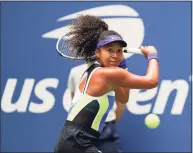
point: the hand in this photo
(148, 50)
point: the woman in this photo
(109, 140)
(103, 81)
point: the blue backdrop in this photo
(34, 77)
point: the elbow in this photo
(123, 100)
(153, 84)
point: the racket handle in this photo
(133, 50)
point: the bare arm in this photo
(118, 77)
(122, 94)
(122, 97)
(119, 110)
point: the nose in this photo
(115, 55)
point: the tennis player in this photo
(103, 81)
(109, 140)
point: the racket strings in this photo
(66, 49)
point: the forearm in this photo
(122, 94)
(120, 110)
(153, 71)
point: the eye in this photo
(120, 51)
(110, 49)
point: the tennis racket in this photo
(64, 48)
(133, 51)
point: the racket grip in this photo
(133, 50)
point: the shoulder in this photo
(104, 73)
(111, 74)
(108, 70)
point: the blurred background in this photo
(34, 94)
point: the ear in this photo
(97, 52)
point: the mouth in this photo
(116, 63)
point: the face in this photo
(111, 54)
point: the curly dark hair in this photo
(84, 35)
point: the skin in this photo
(112, 78)
(119, 110)
(113, 55)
